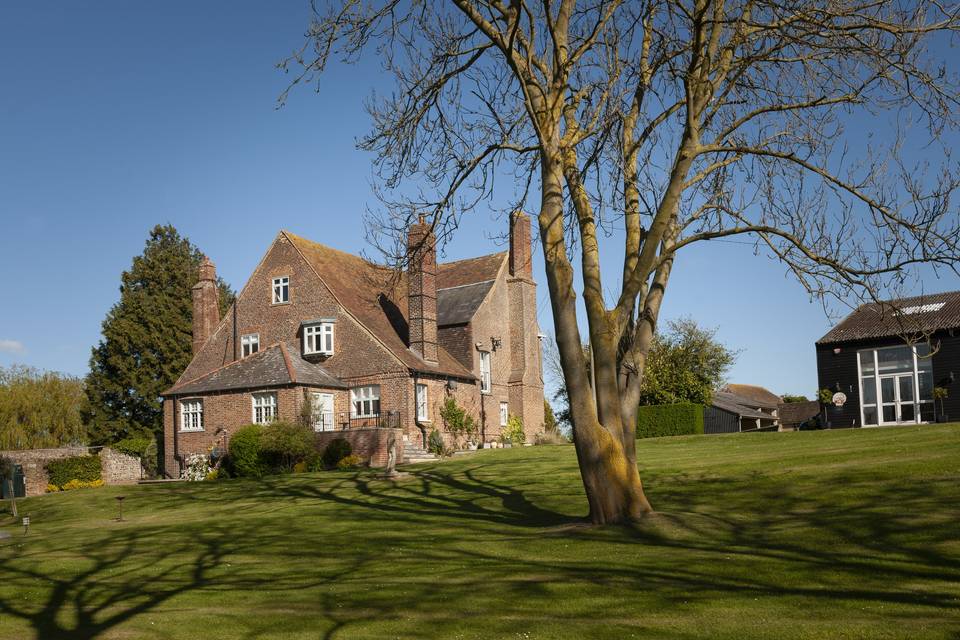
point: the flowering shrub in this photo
(52, 488)
(198, 467)
(82, 484)
(349, 462)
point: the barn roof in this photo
(894, 318)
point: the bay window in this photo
(318, 339)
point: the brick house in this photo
(371, 349)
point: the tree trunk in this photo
(610, 477)
(608, 470)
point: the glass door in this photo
(322, 411)
(905, 399)
(898, 397)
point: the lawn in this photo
(835, 534)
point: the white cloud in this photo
(11, 346)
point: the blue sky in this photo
(116, 116)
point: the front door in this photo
(322, 411)
(898, 397)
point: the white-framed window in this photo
(504, 414)
(191, 415)
(281, 290)
(423, 413)
(896, 385)
(264, 407)
(318, 338)
(365, 401)
(249, 344)
(484, 372)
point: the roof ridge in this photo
(469, 284)
(287, 363)
(486, 255)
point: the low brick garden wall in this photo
(371, 444)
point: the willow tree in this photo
(646, 127)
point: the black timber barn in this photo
(880, 358)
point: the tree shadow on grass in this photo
(374, 566)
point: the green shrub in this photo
(513, 432)
(349, 462)
(245, 454)
(81, 468)
(457, 421)
(669, 420)
(435, 443)
(284, 444)
(133, 446)
(337, 450)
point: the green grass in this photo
(837, 534)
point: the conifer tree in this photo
(146, 341)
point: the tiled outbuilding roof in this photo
(798, 412)
(377, 297)
(754, 395)
(277, 365)
(735, 404)
(893, 318)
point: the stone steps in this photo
(413, 454)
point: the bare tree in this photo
(661, 124)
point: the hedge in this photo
(133, 446)
(669, 420)
(82, 468)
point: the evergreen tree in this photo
(147, 339)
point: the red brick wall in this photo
(223, 414)
(372, 445)
(356, 352)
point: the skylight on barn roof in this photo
(922, 308)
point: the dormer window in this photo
(249, 344)
(281, 290)
(318, 338)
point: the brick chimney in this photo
(521, 263)
(206, 305)
(422, 294)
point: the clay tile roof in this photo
(798, 412)
(470, 271)
(754, 395)
(277, 365)
(894, 318)
(377, 298)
